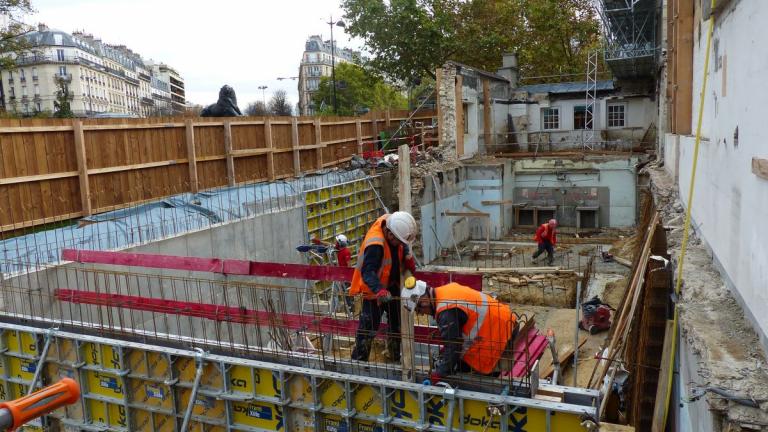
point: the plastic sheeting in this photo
(161, 219)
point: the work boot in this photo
(392, 352)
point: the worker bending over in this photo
(478, 330)
(383, 257)
(546, 237)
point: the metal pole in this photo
(41, 361)
(195, 387)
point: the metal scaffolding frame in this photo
(590, 100)
(631, 47)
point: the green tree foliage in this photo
(11, 44)
(357, 90)
(62, 105)
(410, 38)
(279, 105)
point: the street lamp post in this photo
(341, 24)
(263, 95)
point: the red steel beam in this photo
(238, 315)
(252, 268)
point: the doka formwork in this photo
(240, 394)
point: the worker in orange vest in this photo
(546, 237)
(478, 330)
(384, 256)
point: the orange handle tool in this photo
(17, 412)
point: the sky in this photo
(243, 43)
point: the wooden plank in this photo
(359, 133)
(760, 167)
(107, 170)
(250, 152)
(562, 358)
(295, 147)
(82, 168)
(36, 178)
(29, 129)
(31, 223)
(269, 145)
(466, 214)
(406, 318)
(683, 87)
(191, 159)
(663, 388)
(387, 119)
(488, 138)
(497, 202)
(228, 151)
(459, 116)
(318, 144)
(133, 126)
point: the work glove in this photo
(410, 264)
(433, 379)
(383, 296)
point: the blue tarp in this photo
(156, 220)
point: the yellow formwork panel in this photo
(153, 394)
(262, 415)
(11, 390)
(254, 381)
(149, 364)
(54, 372)
(186, 368)
(368, 401)
(145, 421)
(202, 427)
(102, 355)
(112, 415)
(20, 368)
(19, 342)
(104, 384)
(208, 407)
(63, 351)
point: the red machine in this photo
(595, 316)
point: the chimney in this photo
(42, 27)
(509, 69)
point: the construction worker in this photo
(477, 329)
(343, 255)
(546, 237)
(384, 256)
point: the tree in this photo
(256, 109)
(11, 42)
(410, 38)
(279, 104)
(357, 90)
(62, 105)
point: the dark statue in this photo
(226, 105)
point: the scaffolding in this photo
(590, 100)
(631, 47)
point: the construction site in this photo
(184, 271)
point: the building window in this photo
(34, 73)
(22, 76)
(37, 90)
(11, 92)
(24, 91)
(62, 70)
(581, 116)
(550, 118)
(617, 115)
(38, 106)
(465, 117)
(60, 54)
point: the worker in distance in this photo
(478, 330)
(384, 257)
(546, 238)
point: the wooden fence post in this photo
(487, 137)
(359, 132)
(375, 125)
(319, 143)
(191, 158)
(387, 119)
(82, 168)
(271, 154)
(228, 150)
(295, 145)
(406, 318)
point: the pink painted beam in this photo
(252, 268)
(238, 315)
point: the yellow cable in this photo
(687, 225)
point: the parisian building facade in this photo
(316, 63)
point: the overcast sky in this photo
(243, 43)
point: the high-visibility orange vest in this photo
(375, 236)
(488, 328)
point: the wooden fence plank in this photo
(295, 147)
(359, 133)
(271, 154)
(82, 168)
(228, 150)
(191, 159)
(319, 144)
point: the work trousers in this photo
(546, 246)
(370, 320)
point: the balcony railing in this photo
(10, 81)
(22, 79)
(34, 77)
(66, 77)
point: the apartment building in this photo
(175, 82)
(316, 62)
(101, 78)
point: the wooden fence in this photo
(58, 169)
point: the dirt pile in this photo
(555, 290)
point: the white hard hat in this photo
(342, 239)
(410, 296)
(403, 226)
(553, 222)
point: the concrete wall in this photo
(266, 237)
(438, 231)
(566, 184)
(730, 204)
